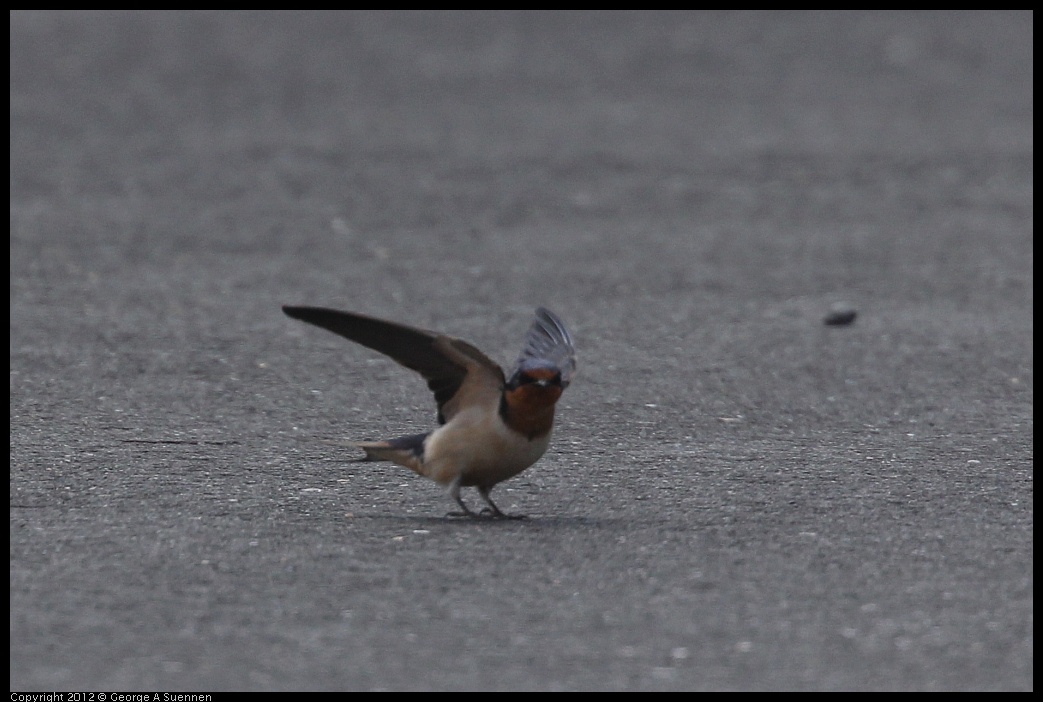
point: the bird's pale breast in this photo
(478, 446)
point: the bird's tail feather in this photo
(406, 451)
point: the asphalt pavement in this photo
(795, 252)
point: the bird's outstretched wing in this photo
(455, 371)
(548, 343)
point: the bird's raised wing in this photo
(548, 343)
(455, 371)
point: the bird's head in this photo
(539, 377)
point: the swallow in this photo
(492, 426)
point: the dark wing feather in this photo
(549, 342)
(444, 362)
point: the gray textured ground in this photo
(738, 497)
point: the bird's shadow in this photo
(529, 521)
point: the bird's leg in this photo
(454, 491)
(492, 508)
